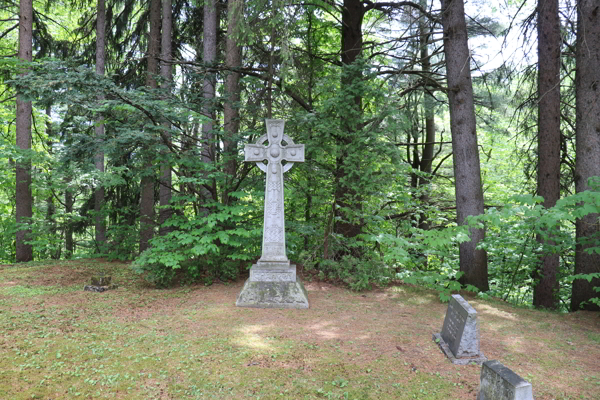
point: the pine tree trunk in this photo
(233, 61)
(209, 88)
(24, 200)
(166, 73)
(50, 206)
(428, 106)
(147, 182)
(69, 245)
(99, 159)
(469, 194)
(545, 292)
(69, 201)
(587, 87)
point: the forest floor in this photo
(190, 342)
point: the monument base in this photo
(273, 286)
(478, 359)
(273, 272)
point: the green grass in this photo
(136, 342)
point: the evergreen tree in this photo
(24, 199)
(467, 175)
(587, 165)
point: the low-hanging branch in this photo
(386, 6)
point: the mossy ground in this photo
(191, 342)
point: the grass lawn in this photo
(191, 342)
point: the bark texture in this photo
(428, 106)
(233, 61)
(469, 194)
(69, 243)
(99, 159)
(209, 88)
(587, 86)
(147, 182)
(164, 191)
(545, 293)
(24, 200)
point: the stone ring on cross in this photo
(275, 151)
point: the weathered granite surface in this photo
(501, 383)
(459, 338)
(99, 288)
(277, 272)
(273, 282)
(101, 280)
(273, 295)
(100, 284)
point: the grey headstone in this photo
(97, 287)
(500, 383)
(273, 282)
(459, 338)
(101, 280)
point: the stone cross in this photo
(280, 148)
(273, 282)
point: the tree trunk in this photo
(24, 200)
(69, 244)
(99, 159)
(587, 87)
(166, 73)
(428, 101)
(154, 39)
(147, 182)
(50, 206)
(545, 292)
(233, 61)
(211, 23)
(347, 199)
(428, 107)
(69, 201)
(469, 194)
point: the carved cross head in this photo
(280, 147)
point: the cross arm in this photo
(294, 153)
(255, 152)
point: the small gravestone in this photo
(273, 282)
(459, 338)
(100, 284)
(101, 280)
(500, 383)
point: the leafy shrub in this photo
(200, 247)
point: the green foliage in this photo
(430, 259)
(514, 253)
(211, 246)
(357, 273)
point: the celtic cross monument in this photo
(273, 282)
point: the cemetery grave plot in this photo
(137, 342)
(459, 338)
(499, 382)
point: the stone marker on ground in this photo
(273, 282)
(459, 338)
(100, 284)
(500, 383)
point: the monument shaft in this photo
(273, 282)
(280, 148)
